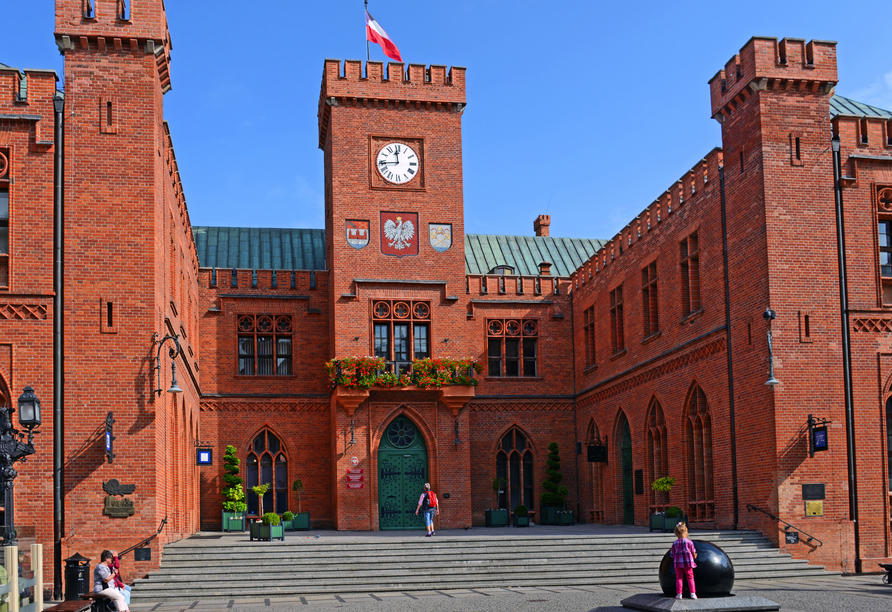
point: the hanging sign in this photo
(109, 437)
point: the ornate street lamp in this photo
(12, 449)
(172, 352)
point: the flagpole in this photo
(367, 56)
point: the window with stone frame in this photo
(4, 219)
(690, 275)
(401, 331)
(514, 463)
(266, 463)
(588, 332)
(884, 240)
(650, 304)
(617, 337)
(512, 347)
(264, 345)
(698, 456)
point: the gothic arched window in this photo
(657, 455)
(266, 464)
(514, 463)
(597, 475)
(698, 447)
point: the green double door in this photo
(402, 472)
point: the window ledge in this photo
(618, 354)
(590, 368)
(264, 376)
(652, 337)
(693, 316)
(513, 378)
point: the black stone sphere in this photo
(713, 576)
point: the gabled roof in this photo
(483, 252)
(846, 106)
(260, 248)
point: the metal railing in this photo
(810, 537)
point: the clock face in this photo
(397, 163)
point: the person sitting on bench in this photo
(104, 581)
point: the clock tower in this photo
(394, 223)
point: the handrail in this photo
(753, 508)
(147, 540)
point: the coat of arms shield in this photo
(441, 236)
(399, 233)
(357, 233)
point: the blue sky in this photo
(584, 110)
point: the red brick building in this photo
(652, 343)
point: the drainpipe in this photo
(58, 395)
(846, 349)
(733, 431)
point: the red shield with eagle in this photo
(399, 233)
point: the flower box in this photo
(268, 533)
(301, 521)
(565, 517)
(521, 521)
(660, 522)
(496, 518)
(233, 521)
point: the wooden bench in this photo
(97, 602)
(71, 606)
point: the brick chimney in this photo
(545, 267)
(541, 225)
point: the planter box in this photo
(660, 522)
(521, 521)
(565, 518)
(287, 525)
(259, 531)
(233, 521)
(549, 515)
(302, 521)
(496, 518)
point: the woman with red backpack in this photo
(428, 505)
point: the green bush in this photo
(521, 511)
(233, 492)
(674, 512)
(270, 518)
(663, 484)
(555, 493)
(288, 516)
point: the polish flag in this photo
(375, 33)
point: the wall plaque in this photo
(813, 491)
(119, 508)
(792, 537)
(814, 508)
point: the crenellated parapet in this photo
(686, 191)
(432, 88)
(27, 96)
(765, 63)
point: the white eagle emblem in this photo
(400, 234)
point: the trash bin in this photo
(77, 577)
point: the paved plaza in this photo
(831, 593)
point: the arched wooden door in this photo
(402, 472)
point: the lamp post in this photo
(770, 316)
(172, 352)
(12, 449)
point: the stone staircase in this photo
(203, 567)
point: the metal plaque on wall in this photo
(813, 491)
(792, 537)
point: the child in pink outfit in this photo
(683, 554)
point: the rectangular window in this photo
(402, 332)
(512, 349)
(264, 345)
(884, 231)
(588, 330)
(649, 300)
(4, 238)
(617, 338)
(690, 275)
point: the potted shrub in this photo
(497, 517)
(301, 519)
(521, 516)
(234, 506)
(259, 491)
(269, 528)
(662, 520)
(555, 497)
(288, 521)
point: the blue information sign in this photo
(820, 439)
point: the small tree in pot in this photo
(555, 496)
(234, 505)
(665, 521)
(497, 517)
(301, 519)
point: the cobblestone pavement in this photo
(861, 593)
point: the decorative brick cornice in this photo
(263, 405)
(23, 312)
(521, 406)
(872, 325)
(689, 358)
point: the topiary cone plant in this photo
(260, 491)
(555, 493)
(498, 486)
(233, 493)
(297, 487)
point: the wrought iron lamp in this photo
(770, 315)
(12, 449)
(173, 352)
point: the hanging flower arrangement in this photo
(368, 372)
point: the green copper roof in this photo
(845, 106)
(260, 248)
(483, 252)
